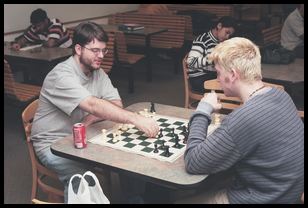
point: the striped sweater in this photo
(197, 57)
(263, 141)
(56, 30)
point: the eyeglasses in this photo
(97, 51)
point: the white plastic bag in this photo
(89, 190)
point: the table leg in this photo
(148, 57)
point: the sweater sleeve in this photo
(209, 154)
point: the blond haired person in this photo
(262, 141)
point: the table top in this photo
(292, 73)
(143, 32)
(153, 170)
(45, 54)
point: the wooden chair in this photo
(39, 172)
(229, 103)
(271, 35)
(125, 59)
(191, 98)
(18, 91)
(37, 201)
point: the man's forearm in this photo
(90, 119)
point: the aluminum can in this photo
(79, 133)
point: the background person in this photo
(200, 69)
(49, 32)
(292, 33)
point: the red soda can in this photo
(79, 132)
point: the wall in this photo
(17, 16)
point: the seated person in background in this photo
(75, 91)
(292, 33)
(154, 9)
(49, 32)
(262, 141)
(200, 69)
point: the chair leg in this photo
(130, 79)
(176, 58)
(55, 198)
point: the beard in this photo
(88, 63)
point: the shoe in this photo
(137, 199)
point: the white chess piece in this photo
(217, 119)
(124, 127)
(114, 139)
(103, 133)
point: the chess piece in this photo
(152, 108)
(114, 137)
(103, 133)
(166, 153)
(172, 132)
(162, 147)
(155, 148)
(185, 138)
(217, 119)
(176, 140)
(160, 133)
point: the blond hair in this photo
(239, 54)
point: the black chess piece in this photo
(152, 108)
(155, 148)
(162, 147)
(172, 132)
(176, 140)
(166, 153)
(160, 133)
(185, 138)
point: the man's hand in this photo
(212, 99)
(15, 46)
(147, 125)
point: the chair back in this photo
(38, 170)
(121, 47)
(191, 97)
(228, 103)
(9, 82)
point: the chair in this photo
(125, 59)
(37, 201)
(39, 172)
(229, 103)
(191, 98)
(18, 91)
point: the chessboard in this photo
(168, 146)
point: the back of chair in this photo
(190, 96)
(121, 46)
(38, 170)
(228, 103)
(9, 82)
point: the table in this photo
(291, 76)
(41, 61)
(147, 33)
(284, 73)
(162, 173)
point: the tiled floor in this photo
(166, 88)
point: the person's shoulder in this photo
(56, 21)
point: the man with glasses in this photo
(49, 32)
(78, 90)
